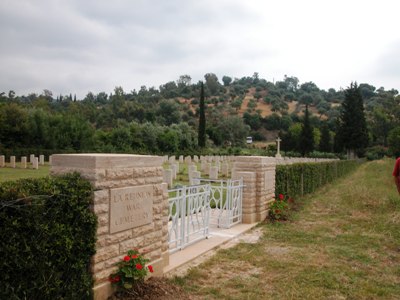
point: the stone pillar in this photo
(258, 174)
(35, 163)
(121, 181)
(2, 161)
(12, 161)
(214, 173)
(41, 160)
(23, 162)
(167, 177)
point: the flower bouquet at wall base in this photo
(132, 270)
(279, 209)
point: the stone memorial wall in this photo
(131, 203)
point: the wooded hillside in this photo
(165, 119)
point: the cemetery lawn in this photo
(7, 174)
(343, 242)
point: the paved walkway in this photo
(179, 261)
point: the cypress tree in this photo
(353, 126)
(307, 138)
(325, 144)
(202, 120)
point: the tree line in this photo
(166, 120)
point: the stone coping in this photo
(104, 160)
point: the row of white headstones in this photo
(213, 166)
(34, 161)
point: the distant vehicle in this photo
(249, 140)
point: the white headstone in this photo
(203, 165)
(31, 158)
(174, 170)
(192, 168)
(167, 177)
(171, 159)
(194, 179)
(225, 169)
(214, 173)
(188, 160)
(41, 160)
(181, 158)
(50, 159)
(207, 167)
(23, 162)
(195, 158)
(12, 161)
(35, 164)
(2, 161)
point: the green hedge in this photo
(303, 178)
(47, 238)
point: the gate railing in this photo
(225, 202)
(189, 215)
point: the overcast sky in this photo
(77, 46)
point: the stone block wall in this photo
(131, 203)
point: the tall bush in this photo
(47, 238)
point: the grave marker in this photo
(12, 161)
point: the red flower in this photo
(127, 258)
(281, 196)
(134, 256)
(139, 266)
(115, 279)
(277, 211)
(150, 269)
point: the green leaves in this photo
(47, 238)
(131, 270)
(299, 179)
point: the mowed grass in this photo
(343, 243)
(7, 174)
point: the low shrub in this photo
(376, 152)
(47, 238)
(303, 178)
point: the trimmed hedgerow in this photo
(303, 178)
(47, 238)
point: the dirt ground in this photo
(156, 288)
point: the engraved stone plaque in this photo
(130, 207)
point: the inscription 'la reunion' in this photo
(130, 207)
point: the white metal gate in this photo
(225, 202)
(189, 215)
